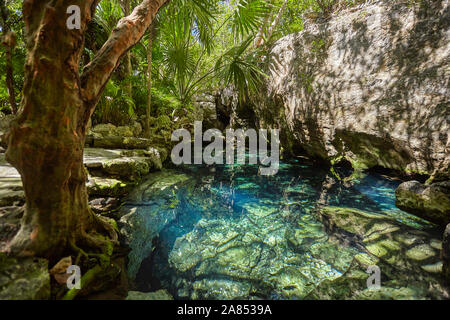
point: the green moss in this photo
(109, 187)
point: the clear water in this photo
(234, 234)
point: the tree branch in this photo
(125, 35)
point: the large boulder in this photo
(127, 165)
(431, 202)
(369, 85)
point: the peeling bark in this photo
(46, 141)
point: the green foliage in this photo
(247, 17)
(115, 106)
(15, 24)
(197, 46)
(240, 70)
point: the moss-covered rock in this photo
(24, 278)
(119, 142)
(11, 192)
(129, 168)
(431, 202)
(97, 186)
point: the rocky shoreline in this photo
(115, 165)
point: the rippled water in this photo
(232, 233)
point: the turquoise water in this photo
(234, 234)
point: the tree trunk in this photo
(259, 39)
(8, 41)
(276, 20)
(46, 142)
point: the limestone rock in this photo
(98, 186)
(130, 168)
(128, 165)
(104, 130)
(147, 210)
(369, 85)
(252, 255)
(430, 202)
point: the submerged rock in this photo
(253, 257)
(24, 278)
(430, 202)
(147, 210)
(446, 252)
(409, 259)
(157, 295)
